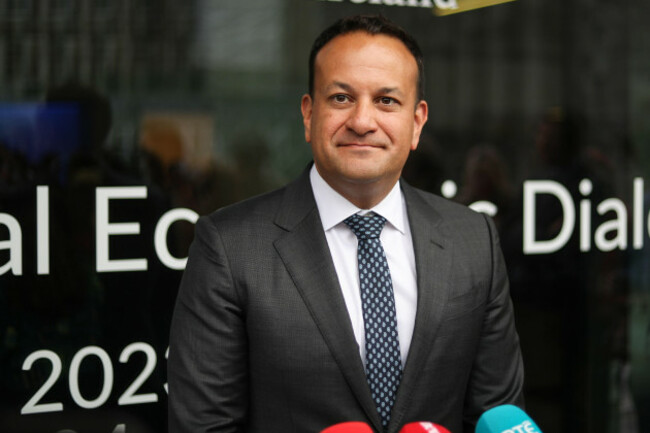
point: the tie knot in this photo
(367, 226)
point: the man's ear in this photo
(306, 106)
(419, 119)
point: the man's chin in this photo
(362, 173)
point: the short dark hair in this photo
(374, 25)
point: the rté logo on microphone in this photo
(524, 427)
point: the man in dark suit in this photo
(291, 317)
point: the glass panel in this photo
(114, 114)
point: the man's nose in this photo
(362, 118)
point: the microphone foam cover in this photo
(349, 427)
(423, 427)
(506, 419)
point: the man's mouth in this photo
(361, 145)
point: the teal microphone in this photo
(506, 419)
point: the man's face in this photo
(363, 118)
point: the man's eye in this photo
(385, 100)
(340, 98)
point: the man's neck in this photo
(364, 196)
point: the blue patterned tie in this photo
(383, 363)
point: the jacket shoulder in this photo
(447, 209)
(264, 205)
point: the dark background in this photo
(199, 102)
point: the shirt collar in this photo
(334, 208)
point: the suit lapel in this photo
(304, 251)
(433, 261)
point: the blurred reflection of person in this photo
(279, 326)
(252, 174)
(485, 178)
(575, 294)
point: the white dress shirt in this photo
(398, 245)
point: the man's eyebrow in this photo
(341, 85)
(348, 88)
(389, 90)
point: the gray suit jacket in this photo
(261, 340)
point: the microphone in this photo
(423, 427)
(349, 427)
(506, 419)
